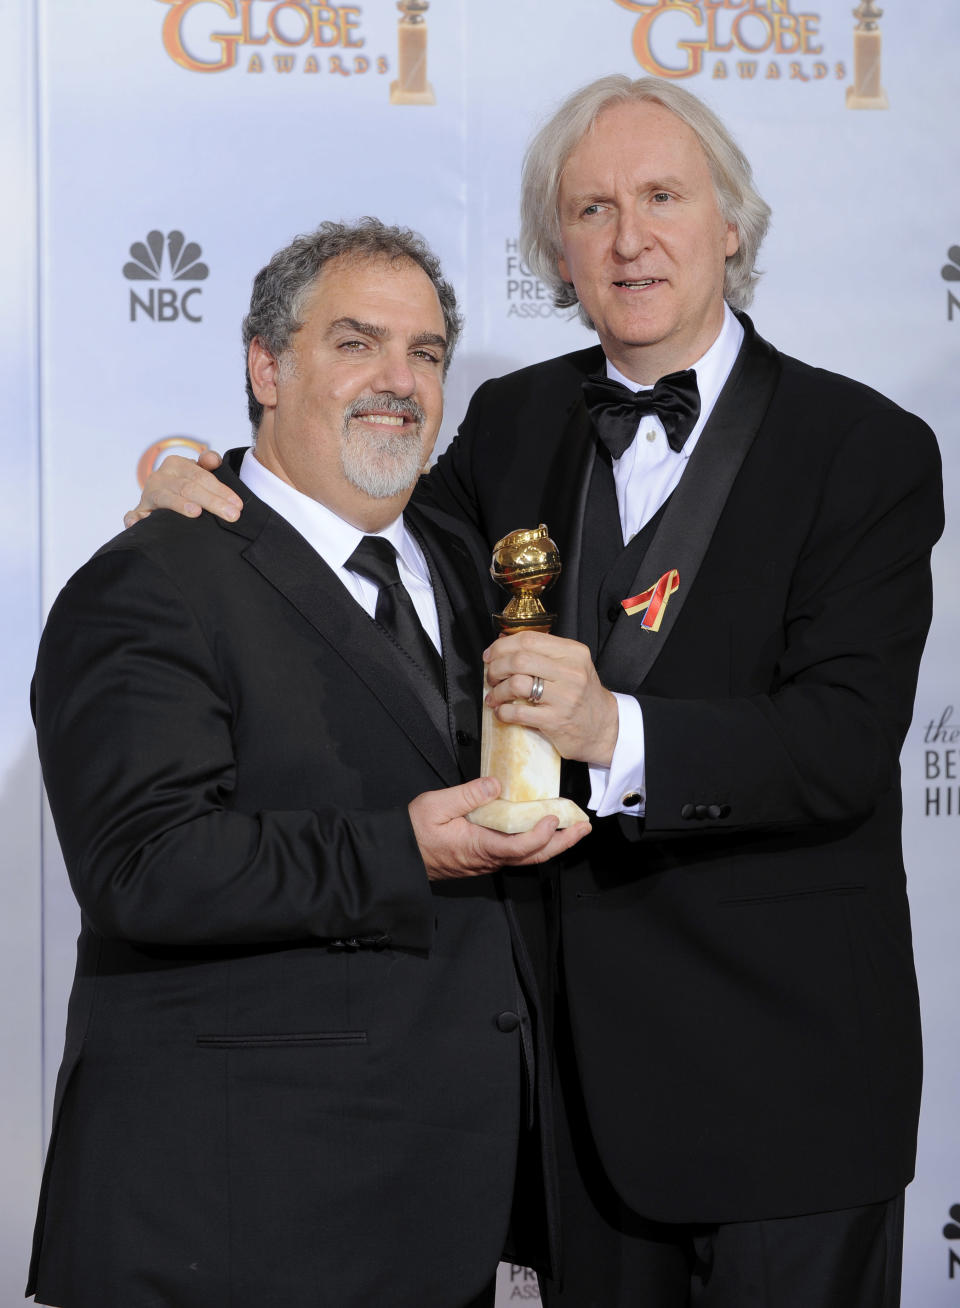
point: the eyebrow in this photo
(430, 338)
(650, 184)
(379, 333)
(353, 325)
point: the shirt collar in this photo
(331, 536)
(712, 369)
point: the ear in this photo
(264, 370)
(733, 240)
(563, 270)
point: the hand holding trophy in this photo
(525, 562)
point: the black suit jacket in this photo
(738, 962)
(293, 1065)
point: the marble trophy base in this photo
(855, 101)
(528, 769)
(399, 96)
(866, 91)
(511, 817)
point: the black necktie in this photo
(376, 559)
(616, 410)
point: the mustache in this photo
(388, 403)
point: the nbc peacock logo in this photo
(952, 1232)
(950, 272)
(162, 258)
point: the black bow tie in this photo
(616, 410)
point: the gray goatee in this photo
(382, 463)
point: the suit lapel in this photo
(284, 559)
(563, 509)
(694, 509)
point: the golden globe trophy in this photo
(866, 92)
(411, 86)
(524, 762)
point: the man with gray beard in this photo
(300, 1044)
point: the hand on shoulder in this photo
(186, 487)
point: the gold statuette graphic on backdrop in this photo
(526, 563)
(411, 86)
(867, 91)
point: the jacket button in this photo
(464, 737)
(700, 811)
(724, 810)
(613, 612)
(507, 1021)
(687, 811)
(714, 811)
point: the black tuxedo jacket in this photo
(293, 1065)
(738, 962)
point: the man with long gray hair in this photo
(299, 1053)
(744, 604)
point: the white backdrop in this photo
(238, 123)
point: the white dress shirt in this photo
(335, 540)
(644, 476)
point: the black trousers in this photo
(614, 1258)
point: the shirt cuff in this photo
(621, 788)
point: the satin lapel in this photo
(281, 555)
(694, 509)
(562, 508)
(464, 600)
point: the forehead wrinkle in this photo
(602, 190)
(612, 108)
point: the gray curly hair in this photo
(550, 149)
(281, 288)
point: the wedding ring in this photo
(536, 691)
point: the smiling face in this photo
(353, 406)
(643, 240)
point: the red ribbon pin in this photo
(653, 600)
